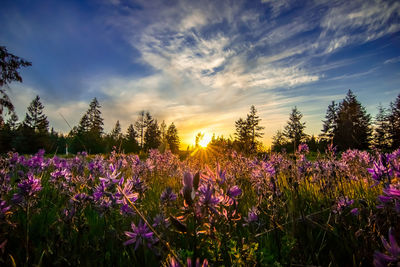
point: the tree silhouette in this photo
(35, 118)
(152, 136)
(294, 129)
(381, 135)
(329, 124)
(173, 138)
(394, 122)
(248, 131)
(9, 65)
(353, 128)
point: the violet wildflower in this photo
(168, 195)
(234, 191)
(393, 249)
(27, 188)
(4, 209)
(303, 148)
(342, 203)
(252, 216)
(188, 192)
(354, 211)
(197, 263)
(207, 197)
(139, 235)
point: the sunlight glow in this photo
(205, 140)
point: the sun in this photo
(203, 139)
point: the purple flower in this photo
(234, 191)
(139, 235)
(4, 208)
(393, 249)
(342, 203)
(168, 195)
(303, 148)
(252, 216)
(207, 197)
(27, 188)
(354, 211)
(188, 192)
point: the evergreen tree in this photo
(152, 136)
(35, 118)
(394, 122)
(294, 129)
(353, 128)
(9, 65)
(329, 126)
(130, 143)
(248, 131)
(116, 131)
(278, 141)
(143, 121)
(12, 122)
(381, 130)
(84, 125)
(253, 121)
(173, 138)
(95, 119)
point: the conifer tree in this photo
(116, 131)
(94, 118)
(35, 118)
(381, 130)
(248, 131)
(394, 122)
(152, 136)
(9, 65)
(173, 138)
(143, 121)
(294, 129)
(353, 126)
(329, 126)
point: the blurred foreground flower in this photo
(393, 249)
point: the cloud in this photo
(392, 60)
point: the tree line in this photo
(346, 125)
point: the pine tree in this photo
(278, 141)
(130, 143)
(152, 136)
(143, 121)
(294, 129)
(381, 130)
(9, 65)
(329, 126)
(394, 122)
(94, 118)
(248, 131)
(116, 131)
(173, 138)
(12, 122)
(35, 118)
(353, 128)
(84, 125)
(255, 129)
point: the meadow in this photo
(221, 209)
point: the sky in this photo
(202, 64)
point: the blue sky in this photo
(202, 64)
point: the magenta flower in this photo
(27, 188)
(168, 195)
(234, 191)
(393, 249)
(303, 148)
(139, 235)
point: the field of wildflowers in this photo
(229, 210)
